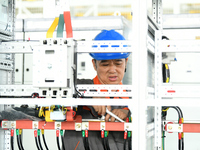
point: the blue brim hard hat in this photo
(109, 35)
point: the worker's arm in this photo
(121, 113)
(101, 110)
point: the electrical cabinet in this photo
(145, 84)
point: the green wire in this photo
(61, 132)
(17, 131)
(83, 133)
(38, 132)
(163, 141)
(105, 133)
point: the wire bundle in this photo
(180, 121)
(19, 139)
(36, 141)
(104, 139)
(85, 139)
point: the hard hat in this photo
(109, 35)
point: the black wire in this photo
(58, 144)
(182, 141)
(84, 143)
(40, 145)
(106, 143)
(20, 141)
(87, 143)
(63, 143)
(181, 113)
(77, 92)
(45, 142)
(129, 143)
(124, 144)
(179, 144)
(11, 141)
(103, 143)
(36, 142)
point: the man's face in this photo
(110, 71)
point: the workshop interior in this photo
(45, 48)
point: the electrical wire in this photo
(44, 141)
(180, 120)
(106, 140)
(57, 139)
(11, 139)
(77, 92)
(103, 143)
(102, 139)
(43, 137)
(58, 144)
(20, 139)
(36, 142)
(124, 144)
(18, 143)
(39, 141)
(62, 138)
(86, 140)
(129, 143)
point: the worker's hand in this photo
(121, 113)
(101, 109)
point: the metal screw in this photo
(5, 124)
(86, 125)
(169, 127)
(127, 127)
(103, 126)
(78, 125)
(58, 125)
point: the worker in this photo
(110, 69)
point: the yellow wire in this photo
(182, 132)
(165, 109)
(40, 112)
(52, 28)
(167, 80)
(166, 66)
(52, 108)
